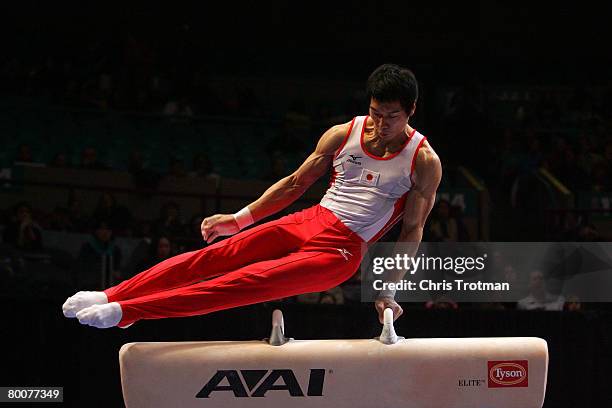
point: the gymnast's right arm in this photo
(282, 193)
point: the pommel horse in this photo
(387, 371)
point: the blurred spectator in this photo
(331, 296)
(99, 260)
(510, 275)
(576, 227)
(178, 107)
(143, 102)
(119, 217)
(202, 167)
(572, 304)
(98, 92)
(170, 223)
(194, 239)
(588, 233)
(539, 298)
(351, 289)
(294, 130)
(334, 296)
(278, 168)
(510, 156)
(534, 156)
(456, 213)
(600, 178)
(145, 229)
(60, 160)
(142, 250)
(24, 154)
(570, 227)
(466, 110)
(135, 162)
(562, 163)
(89, 160)
(177, 168)
(143, 178)
(60, 220)
(22, 231)
(250, 105)
(442, 227)
(580, 108)
(442, 303)
(587, 156)
(160, 249)
(499, 268)
(78, 220)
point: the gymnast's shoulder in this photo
(427, 165)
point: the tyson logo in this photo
(512, 373)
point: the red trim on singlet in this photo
(345, 138)
(398, 211)
(377, 157)
(332, 178)
(416, 152)
(398, 214)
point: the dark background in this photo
(540, 43)
(54, 54)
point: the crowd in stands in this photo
(510, 134)
(107, 81)
(500, 133)
(565, 129)
(101, 261)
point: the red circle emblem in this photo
(369, 177)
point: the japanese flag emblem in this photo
(369, 177)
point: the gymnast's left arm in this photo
(419, 202)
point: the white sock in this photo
(101, 316)
(81, 300)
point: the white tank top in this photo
(366, 192)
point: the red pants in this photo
(308, 251)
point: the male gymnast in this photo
(383, 172)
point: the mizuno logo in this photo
(256, 383)
(344, 253)
(353, 159)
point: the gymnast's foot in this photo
(101, 316)
(81, 300)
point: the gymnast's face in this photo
(389, 118)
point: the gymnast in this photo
(383, 172)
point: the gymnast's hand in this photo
(218, 225)
(384, 302)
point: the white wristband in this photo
(244, 218)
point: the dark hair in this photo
(100, 222)
(155, 243)
(390, 82)
(20, 205)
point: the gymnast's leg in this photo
(296, 273)
(271, 240)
